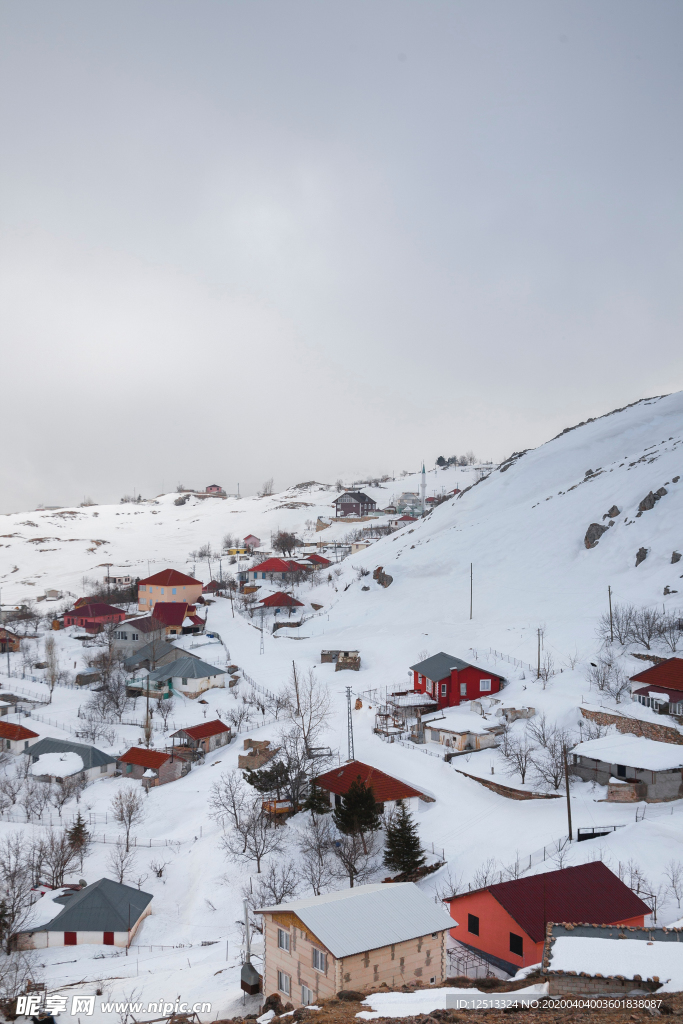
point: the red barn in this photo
(506, 923)
(91, 617)
(450, 680)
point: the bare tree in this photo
(279, 883)
(619, 625)
(254, 836)
(17, 969)
(671, 632)
(357, 855)
(519, 756)
(308, 702)
(56, 856)
(486, 874)
(52, 663)
(646, 627)
(266, 488)
(673, 872)
(159, 866)
(316, 841)
(65, 789)
(127, 809)
(285, 542)
(165, 709)
(449, 885)
(238, 715)
(548, 761)
(16, 879)
(120, 861)
(227, 798)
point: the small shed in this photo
(342, 659)
(206, 736)
(8, 641)
(188, 676)
(166, 766)
(632, 767)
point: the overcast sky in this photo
(311, 239)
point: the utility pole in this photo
(566, 783)
(538, 670)
(261, 645)
(470, 590)
(611, 624)
(352, 756)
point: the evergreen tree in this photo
(270, 780)
(402, 852)
(317, 802)
(358, 813)
(79, 837)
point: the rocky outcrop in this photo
(612, 514)
(650, 500)
(593, 534)
(382, 577)
(675, 557)
(641, 555)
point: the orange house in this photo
(167, 586)
(506, 923)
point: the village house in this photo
(15, 738)
(188, 676)
(354, 503)
(387, 791)
(666, 675)
(450, 680)
(178, 618)
(205, 737)
(92, 617)
(319, 561)
(460, 731)
(251, 541)
(593, 960)
(505, 923)
(359, 545)
(95, 763)
(214, 489)
(153, 767)
(119, 578)
(153, 655)
(104, 913)
(356, 939)
(136, 633)
(279, 602)
(168, 586)
(632, 767)
(276, 569)
(8, 641)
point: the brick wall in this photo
(651, 730)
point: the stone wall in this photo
(508, 791)
(651, 730)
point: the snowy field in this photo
(522, 531)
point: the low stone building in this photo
(260, 753)
(633, 768)
(356, 939)
(205, 737)
(154, 767)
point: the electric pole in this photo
(611, 624)
(566, 783)
(538, 670)
(351, 756)
(470, 590)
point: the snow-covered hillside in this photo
(522, 529)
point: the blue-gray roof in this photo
(91, 756)
(104, 906)
(153, 651)
(439, 666)
(186, 667)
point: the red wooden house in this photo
(506, 923)
(450, 680)
(91, 617)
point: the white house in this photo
(104, 913)
(188, 676)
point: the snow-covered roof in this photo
(58, 765)
(186, 667)
(633, 751)
(460, 720)
(367, 916)
(614, 957)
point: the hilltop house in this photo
(632, 767)
(356, 939)
(505, 923)
(278, 602)
(450, 680)
(251, 541)
(188, 676)
(155, 767)
(354, 503)
(14, 739)
(104, 913)
(214, 489)
(387, 791)
(95, 763)
(206, 737)
(276, 569)
(92, 617)
(168, 586)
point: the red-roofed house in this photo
(386, 789)
(15, 738)
(666, 675)
(215, 489)
(171, 615)
(252, 541)
(505, 923)
(206, 736)
(163, 767)
(319, 562)
(451, 680)
(168, 586)
(91, 617)
(276, 569)
(276, 602)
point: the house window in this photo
(173, 591)
(103, 768)
(463, 689)
(473, 924)
(319, 960)
(621, 770)
(429, 686)
(162, 590)
(307, 996)
(283, 939)
(516, 944)
(184, 682)
(135, 636)
(434, 735)
(484, 685)
(25, 744)
(283, 982)
(143, 588)
(444, 689)
(8, 745)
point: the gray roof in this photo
(100, 907)
(358, 496)
(91, 756)
(186, 667)
(368, 916)
(153, 651)
(439, 666)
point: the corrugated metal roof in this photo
(186, 667)
(367, 916)
(170, 577)
(12, 731)
(384, 787)
(144, 758)
(667, 673)
(104, 906)
(439, 666)
(91, 756)
(199, 732)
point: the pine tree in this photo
(79, 837)
(358, 813)
(317, 802)
(402, 851)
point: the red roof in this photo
(275, 565)
(667, 673)
(674, 696)
(383, 786)
(408, 519)
(211, 587)
(170, 578)
(200, 732)
(144, 758)
(171, 613)
(10, 731)
(319, 560)
(281, 600)
(585, 894)
(251, 536)
(196, 620)
(94, 611)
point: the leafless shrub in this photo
(315, 844)
(548, 761)
(357, 855)
(120, 861)
(165, 709)
(266, 488)
(486, 874)
(16, 879)
(547, 669)
(159, 866)
(127, 809)
(449, 885)
(278, 884)
(253, 836)
(227, 797)
(56, 856)
(518, 755)
(673, 873)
